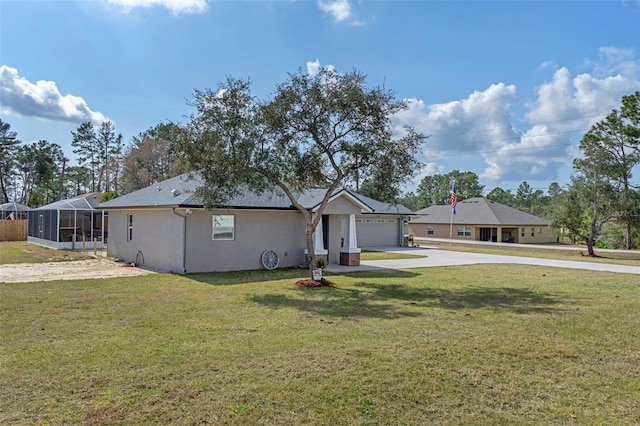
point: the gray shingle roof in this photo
(477, 211)
(180, 192)
(82, 202)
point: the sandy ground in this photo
(79, 269)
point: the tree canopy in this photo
(436, 189)
(8, 144)
(317, 131)
(611, 151)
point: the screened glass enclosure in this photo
(14, 211)
(68, 224)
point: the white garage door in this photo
(377, 232)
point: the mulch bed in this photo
(308, 282)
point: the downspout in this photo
(184, 240)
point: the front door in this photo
(486, 234)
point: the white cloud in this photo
(176, 6)
(547, 64)
(613, 61)
(340, 10)
(42, 100)
(564, 109)
(481, 125)
(481, 121)
(313, 67)
(427, 169)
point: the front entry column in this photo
(350, 252)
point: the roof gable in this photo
(344, 202)
(88, 201)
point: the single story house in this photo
(65, 224)
(165, 227)
(481, 220)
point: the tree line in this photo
(40, 173)
(233, 140)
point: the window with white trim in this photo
(223, 227)
(392, 220)
(464, 231)
(381, 221)
(522, 232)
(129, 227)
(430, 230)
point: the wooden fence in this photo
(13, 230)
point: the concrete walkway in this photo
(439, 257)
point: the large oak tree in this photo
(318, 130)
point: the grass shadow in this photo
(293, 274)
(245, 277)
(518, 300)
(368, 299)
(335, 302)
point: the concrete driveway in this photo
(439, 257)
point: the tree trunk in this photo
(628, 241)
(4, 190)
(311, 255)
(61, 189)
(590, 251)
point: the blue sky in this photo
(504, 89)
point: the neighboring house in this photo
(481, 220)
(165, 227)
(13, 222)
(66, 224)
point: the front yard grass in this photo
(620, 257)
(481, 344)
(23, 252)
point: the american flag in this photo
(11, 216)
(454, 200)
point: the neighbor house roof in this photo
(179, 192)
(82, 202)
(477, 211)
(14, 207)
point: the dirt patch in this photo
(75, 270)
(315, 283)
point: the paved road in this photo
(439, 257)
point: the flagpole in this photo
(453, 190)
(451, 228)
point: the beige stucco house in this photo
(480, 219)
(165, 227)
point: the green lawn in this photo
(483, 344)
(620, 257)
(23, 252)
